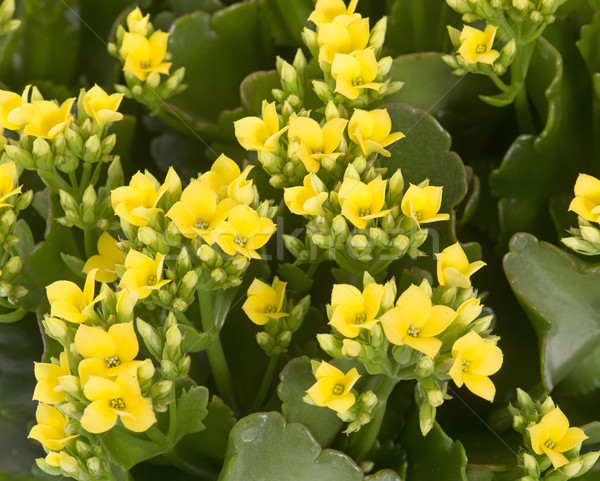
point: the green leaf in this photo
(592, 430)
(322, 422)
(262, 446)
(297, 279)
(127, 449)
(194, 340)
(257, 87)
(285, 19)
(75, 264)
(26, 243)
(218, 52)
(191, 411)
(183, 7)
(561, 298)
(384, 475)
(13, 316)
(425, 153)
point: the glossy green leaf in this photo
(425, 153)
(322, 422)
(26, 242)
(285, 19)
(588, 47)
(193, 340)
(297, 279)
(263, 446)
(384, 475)
(191, 411)
(128, 449)
(217, 51)
(561, 298)
(257, 87)
(183, 7)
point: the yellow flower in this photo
(371, 131)
(69, 302)
(143, 274)
(243, 232)
(468, 311)
(145, 55)
(354, 310)
(198, 212)
(47, 119)
(48, 389)
(587, 198)
(453, 268)
(265, 302)
(136, 202)
(344, 34)
(306, 199)
(11, 112)
(108, 256)
(362, 202)
(50, 428)
(332, 388)
(552, 436)
(107, 353)
(476, 46)
(62, 460)
(3, 139)
(354, 72)
(316, 142)
(423, 204)
(136, 23)
(474, 361)
(415, 321)
(254, 133)
(225, 176)
(113, 399)
(125, 303)
(327, 10)
(9, 175)
(102, 107)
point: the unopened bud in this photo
(147, 236)
(94, 465)
(531, 465)
(150, 337)
(146, 371)
(426, 417)
(327, 342)
(70, 384)
(89, 196)
(359, 242)
(68, 463)
(536, 16)
(351, 348)
(401, 242)
(547, 406)
(425, 367)
(520, 4)
(56, 328)
(572, 468)
(173, 337)
(369, 399)
(206, 253)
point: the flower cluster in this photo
(431, 335)
(586, 204)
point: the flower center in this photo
(481, 48)
(364, 212)
(241, 241)
(145, 65)
(201, 225)
(418, 215)
(270, 309)
(152, 280)
(338, 389)
(357, 81)
(117, 403)
(549, 444)
(465, 366)
(112, 361)
(413, 331)
(361, 318)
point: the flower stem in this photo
(518, 73)
(363, 441)
(89, 241)
(263, 391)
(216, 355)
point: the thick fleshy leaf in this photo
(285, 19)
(262, 446)
(561, 296)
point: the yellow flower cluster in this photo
(143, 50)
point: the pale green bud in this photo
(70, 384)
(173, 337)
(153, 79)
(309, 37)
(13, 266)
(520, 4)
(184, 365)
(339, 226)
(401, 242)
(351, 348)
(218, 275)
(425, 367)
(67, 201)
(531, 465)
(323, 91)
(89, 198)
(41, 148)
(435, 397)
(294, 245)
(147, 236)
(190, 280)
(369, 399)
(377, 36)
(536, 16)
(56, 328)
(206, 253)
(20, 156)
(82, 447)
(426, 417)
(92, 147)
(108, 144)
(331, 111)
(151, 339)
(590, 234)
(547, 406)
(589, 460)
(572, 468)
(146, 371)
(169, 370)
(327, 342)
(94, 466)
(24, 200)
(360, 164)
(74, 141)
(265, 341)
(115, 177)
(68, 463)
(384, 66)
(359, 242)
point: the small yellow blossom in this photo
(415, 321)
(69, 302)
(476, 46)
(62, 460)
(552, 436)
(344, 34)
(265, 302)
(332, 388)
(198, 212)
(243, 232)
(453, 268)
(468, 311)
(355, 71)
(136, 202)
(48, 389)
(254, 133)
(225, 177)
(113, 399)
(371, 131)
(474, 361)
(107, 353)
(102, 107)
(354, 310)
(327, 10)
(11, 113)
(126, 301)
(136, 23)
(143, 274)
(306, 199)
(47, 119)
(145, 55)
(9, 175)
(108, 256)
(423, 204)
(362, 202)
(50, 428)
(316, 142)
(587, 198)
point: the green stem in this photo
(216, 355)
(518, 74)
(85, 179)
(263, 391)
(363, 441)
(89, 241)
(313, 268)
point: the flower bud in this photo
(94, 466)
(115, 177)
(218, 275)
(359, 242)
(173, 337)
(426, 417)
(169, 370)
(401, 242)
(425, 367)
(547, 406)
(147, 236)
(531, 465)
(589, 460)
(56, 328)
(265, 341)
(70, 384)
(146, 371)
(572, 468)
(108, 144)
(323, 91)
(351, 348)
(309, 38)
(327, 342)
(150, 337)
(20, 156)
(206, 253)
(520, 4)
(68, 463)
(377, 36)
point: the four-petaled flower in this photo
(354, 310)
(69, 302)
(102, 107)
(423, 204)
(355, 71)
(344, 34)
(47, 119)
(136, 202)
(453, 268)
(474, 361)
(552, 436)
(254, 133)
(415, 321)
(136, 23)
(264, 301)
(332, 388)
(108, 256)
(225, 176)
(327, 10)
(476, 46)
(371, 131)
(362, 202)
(587, 198)
(50, 428)
(145, 55)
(14, 109)
(308, 198)
(8, 182)
(143, 274)
(48, 389)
